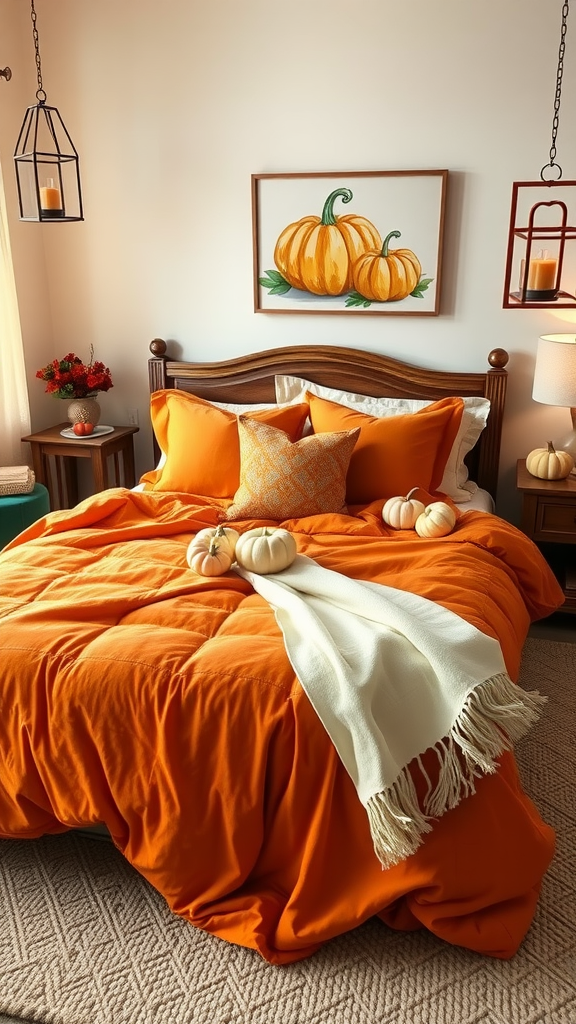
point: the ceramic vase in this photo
(84, 410)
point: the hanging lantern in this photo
(541, 255)
(47, 170)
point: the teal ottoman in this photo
(17, 511)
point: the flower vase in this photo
(84, 410)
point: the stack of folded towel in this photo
(16, 480)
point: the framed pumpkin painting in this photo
(366, 242)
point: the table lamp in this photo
(555, 379)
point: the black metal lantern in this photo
(541, 254)
(47, 169)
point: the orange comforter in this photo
(135, 693)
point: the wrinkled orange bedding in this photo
(135, 693)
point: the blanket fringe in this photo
(495, 715)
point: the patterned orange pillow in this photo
(281, 480)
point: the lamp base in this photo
(568, 443)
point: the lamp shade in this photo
(555, 370)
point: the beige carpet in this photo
(84, 940)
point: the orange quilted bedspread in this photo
(136, 693)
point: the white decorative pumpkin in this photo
(437, 520)
(208, 556)
(402, 513)
(549, 464)
(266, 549)
(227, 538)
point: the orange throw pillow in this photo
(393, 453)
(281, 480)
(200, 442)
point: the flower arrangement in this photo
(71, 378)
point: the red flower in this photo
(71, 378)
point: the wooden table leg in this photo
(61, 489)
(71, 481)
(99, 469)
(38, 464)
(43, 475)
(64, 475)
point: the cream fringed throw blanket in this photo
(390, 676)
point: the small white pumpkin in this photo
(266, 549)
(549, 464)
(437, 520)
(208, 556)
(402, 513)
(227, 537)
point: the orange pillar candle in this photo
(51, 199)
(542, 274)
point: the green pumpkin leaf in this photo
(355, 299)
(276, 284)
(421, 287)
(276, 276)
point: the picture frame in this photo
(349, 242)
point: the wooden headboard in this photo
(249, 379)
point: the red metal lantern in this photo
(541, 256)
(540, 259)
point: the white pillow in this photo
(455, 481)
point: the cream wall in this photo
(172, 106)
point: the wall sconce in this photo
(540, 261)
(47, 170)
(555, 379)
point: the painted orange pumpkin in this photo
(316, 254)
(384, 275)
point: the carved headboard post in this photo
(157, 378)
(496, 383)
(157, 365)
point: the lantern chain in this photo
(40, 94)
(557, 96)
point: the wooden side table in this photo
(549, 519)
(60, 475)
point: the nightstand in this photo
(549, 519)
(54, 461)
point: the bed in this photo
(163, 705)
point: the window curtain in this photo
(14, 403)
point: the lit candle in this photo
(50, 199)
(542, 274)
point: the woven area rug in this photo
(85, 940)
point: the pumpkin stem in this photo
(410, 493)
(393, 234)
(551, 448)
(213, 546)
(328, 215)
